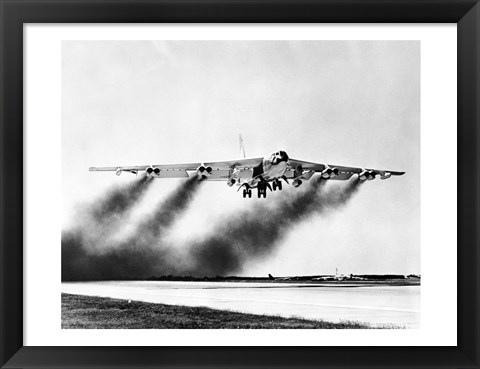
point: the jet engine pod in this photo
(156, 171)
(297, 182)
(330, 172)
(386, 175)
(366, 175)
(203, 172)
(118, 172)
(298, 171)
(149, 171)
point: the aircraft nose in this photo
(283, 156)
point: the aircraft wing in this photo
(344, 172)
(220, 169)
(238, 163)
(140, 168)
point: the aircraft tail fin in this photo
(242, 148)
(271, 277)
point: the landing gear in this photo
(262, 187)
(277, 184)
(262, 191)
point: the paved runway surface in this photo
(390, 305)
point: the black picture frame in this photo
(15, 13)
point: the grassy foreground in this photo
(87, 312)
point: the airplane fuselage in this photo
(272, 167)
(275, 171)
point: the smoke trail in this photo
(252, 233)
(141, 255)
(94, 224)
(99, 218)
(165, 214)
(255, 233)
(119, 199)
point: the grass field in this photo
(86, 312)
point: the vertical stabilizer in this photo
(242, 148)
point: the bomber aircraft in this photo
(261, 173)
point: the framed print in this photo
(269, 184)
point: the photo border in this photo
(16, 13)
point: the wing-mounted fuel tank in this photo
(121, 170)
(385, 175)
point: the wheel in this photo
(279, 185)
(259, 192)
(274, 185)
(264, 193)
(244, 193)
(249, 194)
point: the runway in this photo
(376, 305)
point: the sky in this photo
(352, 103)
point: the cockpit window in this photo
(279, 155)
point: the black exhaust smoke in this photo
(140, 256)
(241, 237)
(101, 217)
(95, 223)
(119, 199)
(256, 232)
(167, 212)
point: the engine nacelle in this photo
(149, 171)
(330, 172)
(118, 172)
(386, 175)
(152, 172)
(296, 183)
(203, 172)
(301, 174)
(366, 175)
(298, 171)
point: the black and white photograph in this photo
(240, 184)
